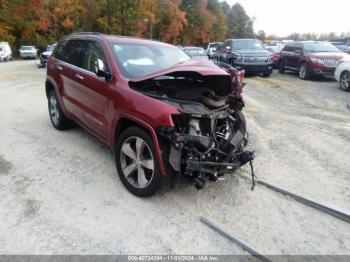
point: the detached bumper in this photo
(222, 168)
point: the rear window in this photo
(213, 45)
(195, 51)
(25, 48)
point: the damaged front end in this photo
(209, 135)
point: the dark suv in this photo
(161, 111)
(248, 54)
(310, 58)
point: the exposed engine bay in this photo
(209, 134)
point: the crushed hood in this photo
(201, 67)
(217, 78)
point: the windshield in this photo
(247, 44)
(213, 45)
(320, 47)
(27, 47)
(51, 47)
(195, 51)
(136, 60)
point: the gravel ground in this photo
(59, 193)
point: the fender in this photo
(153, 135)
(52, 82)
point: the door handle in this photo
(79, 77)
(60, 68)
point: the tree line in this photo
(182, 22)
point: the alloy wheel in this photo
(137, 162)
(302, 71)
(54, 110)
(345, 81)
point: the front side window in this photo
(93, 52)
(136, 60)
(70, 51)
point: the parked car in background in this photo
(276, 54)
(5, 51)
(158, 109)
(211, 49)
(28, 52)
(342, 47)
(45, 55)
(196, 52)
(342, 75)
(310, 58)
(248, 54)
(215, 55)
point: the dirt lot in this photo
(59, 193)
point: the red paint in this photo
(99, 105)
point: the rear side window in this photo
(93, 52)
(288, 48)
(71, 51)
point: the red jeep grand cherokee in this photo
(310, 58)
(161, 112)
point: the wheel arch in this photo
(126, 121)
(48, 87)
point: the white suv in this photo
(28, 52)
(211, 49)
(5, 51)
(342, 74)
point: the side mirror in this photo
(228, 47)
(101, 70)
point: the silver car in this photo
(28, 52)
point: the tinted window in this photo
(93, 52)
(70, 51)
(288, 48)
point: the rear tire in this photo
(137, 162)
(281, 66)
(267, 74)
(344, 82)
(57, 117)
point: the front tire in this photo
(303, 72)
(137, 162)
(57, 117)
(344, 82)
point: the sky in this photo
(282, 17)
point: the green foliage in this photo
(239, 24)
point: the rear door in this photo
(287, 55)
(296, 56)
(70, 56)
